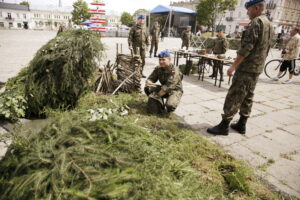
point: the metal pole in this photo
(170, 21)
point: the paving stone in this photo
(243, 153)
(265, 147)
(286, 139)
(228, 140)
(282, 186)
(294, 129)
(287, 171)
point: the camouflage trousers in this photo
(217, 66)
(154, 45)
(142, 52)
(240, 95)
(160, 105)
(185, 44)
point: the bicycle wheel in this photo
(272, 68)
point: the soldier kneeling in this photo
(164, 98)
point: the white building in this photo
(50, 20)
(113, 20)
(17, 16)
(14, 16)
(284, 14)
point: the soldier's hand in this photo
(150, 83)
(230, 70)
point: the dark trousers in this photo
(154, 45)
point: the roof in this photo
(160, 9)
(13, 6)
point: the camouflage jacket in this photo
(220, 45)
(255, 45)
(186, 36)
(169, 77)
(155, 34)
(138, 37)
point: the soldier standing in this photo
(249, 64)
(186, 37)
(219, 47)
(155, 31)
(138, 40)
(170, 89)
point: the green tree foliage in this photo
(208, 10)
(80, 12)
(141, 12)
(25, 3)
(126, 19)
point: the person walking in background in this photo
(155, 31)
(220, 47)
(290, 54)
(138, 40)
(186, 37)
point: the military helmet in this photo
(252, 2)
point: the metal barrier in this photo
(116, 33)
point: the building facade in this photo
(113, 20)
(50, 20)
(284, 15)
(15, 16)
(190, 4)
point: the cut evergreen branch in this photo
(130, 157)
(60, 73)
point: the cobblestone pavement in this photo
(272, 142)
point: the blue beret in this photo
(155, 22)
(188, 26)
(252, 2)
(164, 54)
(141, 17)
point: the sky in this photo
(112, 6)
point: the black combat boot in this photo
(220, 129)
(240, 126)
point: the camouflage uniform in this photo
(170, 80)
(155, 31)
(255, 45)
(186, 38)
(219, 47)
(139, 40)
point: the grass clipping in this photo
(131, 157)
(59, 74)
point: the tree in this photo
(208, 11)
(140, 12)
(126, 19)
(80, 12)
(25, 3)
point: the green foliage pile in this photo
(131, 157)
(59, 74)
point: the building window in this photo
(24, 16)
(2, 24)
(10, 25)
(9, 15)
(18, 15)
(242, 3)
(19, 25)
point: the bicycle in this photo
(272, 67)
